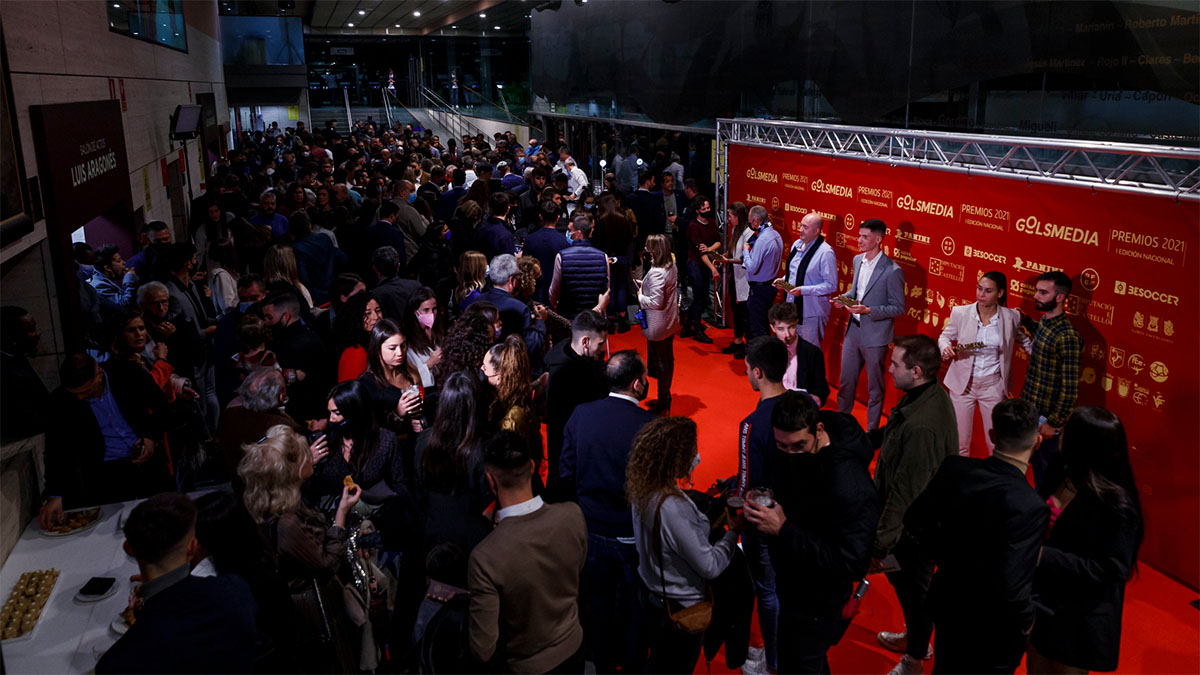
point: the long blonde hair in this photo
(660, 250)
(472, 269)
(271, 471)
(279, 264)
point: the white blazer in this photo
(963, 326)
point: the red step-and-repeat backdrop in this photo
(1132, 258)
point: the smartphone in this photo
(97, 586)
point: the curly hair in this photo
(662, 453)
(531, 271)
(466, 342)
(271, 471)
(512, 361)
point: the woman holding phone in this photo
(978, 341)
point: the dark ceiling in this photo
(466, 18)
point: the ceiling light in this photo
(397, 25)
(454, 26)
(416, 14)
(350, 25)
(496, 27)
(483, 16)
(117, 5)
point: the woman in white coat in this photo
(978, 340)
(658, 295)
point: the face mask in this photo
(85, 271)
(695, 463)
(244, 307)
(497, 336)
(270, 172)
(569, 239)
(412, 198)
(446, 235)
(426, 320)
(339, 426)
(641, 395)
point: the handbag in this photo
(690, 620)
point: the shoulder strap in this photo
(662, 568)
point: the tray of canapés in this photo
(20, 614)
(74, 521)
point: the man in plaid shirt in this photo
(1052, 380)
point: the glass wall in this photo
(156, 21)
(262, 41)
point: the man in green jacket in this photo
(920, 433)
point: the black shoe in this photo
(686, 333)
(702, 337)
(623, 327)
(740, 354)
(734, 347)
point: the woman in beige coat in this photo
(978, 340)
(658, 294)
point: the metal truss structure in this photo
(1146, 169)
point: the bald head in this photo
(810, 227)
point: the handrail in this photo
(514, 119)
(440, 104)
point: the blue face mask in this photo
(446, 235)
(412, 198)
(244, 307)
(569, 239)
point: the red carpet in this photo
(1161, 629)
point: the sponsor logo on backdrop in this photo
(1147, 247)
(774, 203)
(1023, 265)
(901, 256)
(1088, 376)
(1089, 278)
(972, 252)
(1100, 312)
(1116, 357)
(1141, 395)
(1123, 387)
(755, 174)
(788, 208)
(947, 270)
(874, 196)
(1137, 364)
(848, 221)
(1097, 352)
(840, 240)
(1072, 235)
(909, 235)
(1123, 288)
(1158, 400)
(755, 199)
(948, 246)
(907, 203)
(1153, 327)
(984, 216)
(1159, 372)
(1021, 289)
(795, 181)
(821, 186)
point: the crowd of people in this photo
(396, 354)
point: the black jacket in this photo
(75, 445)
(810, 370)
(983, 525)
(574, 379)
(393, 295)
(832, 508)
(648, 209)
(1080, 584)
(198, 625)
(297, 347)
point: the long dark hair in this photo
(1001, 282)
(348, 324)
(384, 330)
(354, 403)
(454, 439)
(742, 213)
(414, 332)
(1095, 455)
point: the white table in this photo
(71, 636)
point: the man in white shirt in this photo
(577, 180)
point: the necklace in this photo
(1023, 466)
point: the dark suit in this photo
(648, 209)
(197, 625)
(824, 547)
(983, 525)
(574, 380)
(383, 233)
(448, 202)
(595, 450)
(810, 370)
(297, 347)
(1080, 584)
(75, 466)
(393, 294)
(517, 319)
(493, 239)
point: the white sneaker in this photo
(756, 662)
(908, 666)
(898, 642)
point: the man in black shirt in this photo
(576, 370)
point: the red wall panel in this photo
(1132, 258)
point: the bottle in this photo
(641, 317)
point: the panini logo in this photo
(905, 235)
(755, 174)
(831, 189)
(1073, 235)
(932, 208)
(972, 252)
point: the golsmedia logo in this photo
(831, 189)
(755, 174)
(1123, 288)
(971, 252)
(1073, 235)
(932, 208)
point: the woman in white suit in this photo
(981, 376)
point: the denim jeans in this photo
(618, 302)
(699, 277)
(763, 574)
(612, 617)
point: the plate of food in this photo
(21, 611)
(74, 522)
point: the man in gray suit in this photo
(878, 289)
